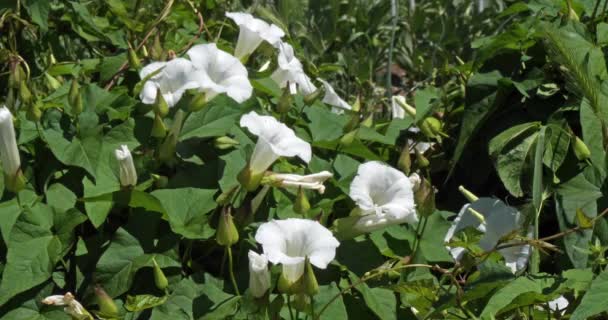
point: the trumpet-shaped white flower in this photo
(499, 220)
(559, 304)
(128, 175)
(216, 72)
(288, 242)
(252, 32)
(398, 111)
(420, 146)
(331, 98)
(384, 195)
(311, 181)
(259, 277)
(274, 140)
(72, 307)
(9, 153)
(172, 78)
(290, 71)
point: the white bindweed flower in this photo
(274, 140)
(9, 153)
(384, 195)
(289, 242)
(172, 79)
(290, 71)
(311, 181)
(252, 32)
(259, 276)
(216, 72)
(420, 146)
(499, 220)
(398, 111)
(559, 304)
(128, 175)
(72, 307)
(331, 98)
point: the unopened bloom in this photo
(252, 32)
(290, 71)
(310, 181)
(289, 242)
(171, 78)
(259, 276)
(331, 98)
(127, 173)
(384, 196)
(72, 307)
(9, 153)
(274, 140)
(497, 220)
(217, 71)
(397, 109)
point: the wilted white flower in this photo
(274, 140)
(259, 276)
(398, 111)
(384, 195)
(498, 221)
(252, 32)
(290, 71)
(216, 72)
(9, 153)
(72, 307)
(331, 98)
(311, 181)
(420, 146)
(128, 175)
(289, 242)
(172, 79)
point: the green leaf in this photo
(187, 210)
(423, 101)
(336, 309)
(381, 301)
(60, 197)
(592, 136)
(39, 11)
(143, 301)
(324, 125)
(83, 153)
(602, 33)
(432, 245)
(214, 120)
(505, 295)
(594, 301)
(556, 147)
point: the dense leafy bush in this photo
(316, 159)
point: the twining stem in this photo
(419, 231)
(289, 307)
(231, 271)
(371, 276)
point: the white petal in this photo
(290, 71)
(560, 303)
(128, 175)
(252, 32)
(398, 111)
(56, 300)
(382, 190)
(312, 181)
(173, 80)
(9, 153)
(219, 72)
(331, 97)
(259, 276)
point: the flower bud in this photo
(248, 179)
(198, 102)
(167, 148)
(430, 127)
(227, 234)
(369, 121)
(52, 82)
(160, 280)
(128, 175)
(405, 160)
(309, 285)
(160, 106)
(33, 112)
(107, 307)
(285, 101)
(259, 276)
(159, 130)
(224, 142)
(24, 93)
(424, 197)
(348, 138)
(311, 98)
(134, 59)
(16, 76)
(144, 51)
(301, 205)
(9, 153)
(468, 194)
(411, 111)
(421, 160)
(581, 151)
(357, 105)
(74, 98)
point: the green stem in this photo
(230, 269)
(419, 231)
(312, 306)
(289, 307)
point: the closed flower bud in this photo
(224, 142)
(301, 205)
(227, 234)
(369, 121)
(424, 197)
(248, 179)
(24, 93)
(160, 280)
(468, 194)
(160, 106)
(311, 98)
(198, 101)
(33, 112)
(259, 276)
(348, 138)
(431, 127)
(9, 153)
(309, 285)
(128, 175)
(52, 82)
(421, 160)
(357, 105)
(16, 76)
(134, 59)
(167, 148)
(405, 160)
(74, 98)
(107, 307)
(159, 130)
(581, 151)
(285, 101)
